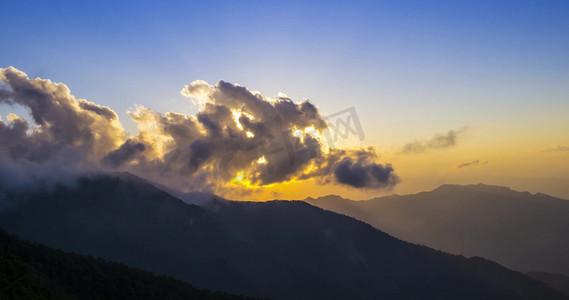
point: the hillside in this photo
(32, 271)
(517, 229)
(557, 281)
(279, 249)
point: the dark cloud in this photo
(355, 168)
(61, 119)
(250, 139)
(439, 141)
(471, 163)
(360, 173)
(13, 137)
(125, 153)
(66, 137)
(238, 128)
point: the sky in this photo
(445, 91)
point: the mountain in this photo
(557, 281)
(32, 271)
(519, 230)
(278, 249)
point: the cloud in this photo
(67, 135)
(556, 148)
(125, 153)
(353, 167)
(414, 147)
(361, 173)
(471, 163)
(238, 141)
(62, 120)
(439, 141)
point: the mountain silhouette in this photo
(519, 230)
(278, 249)
(557, 281)
(32, 271)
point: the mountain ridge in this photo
(524, 231)
(279, 249)
(441, 187)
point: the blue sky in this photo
(368, 53)
(411, 68)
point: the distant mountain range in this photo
(278, 249)
(522, 231)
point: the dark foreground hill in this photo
(517, 229)
(557, 281)
(32, 271)
(281, 250)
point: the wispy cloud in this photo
(439, 141)
(556, 148)
(471, 163)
